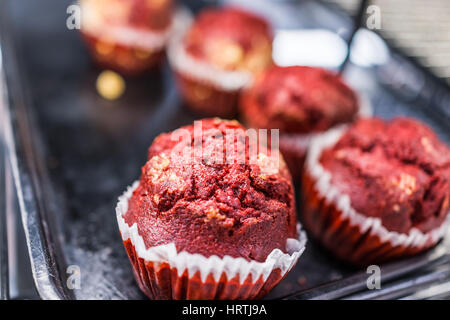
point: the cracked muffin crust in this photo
(232, 39)
(215, 204)
(146, 14)
(398, 171)
(300, 101)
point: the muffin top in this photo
(145, 14)
(298, 99)
(397, 171)
(206, 200)
(231, 39)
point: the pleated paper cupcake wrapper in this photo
(207, 89)
(164, 273)
(125, 60)
(329, 216)
(126, 49)
(207, 100)
(294, 146)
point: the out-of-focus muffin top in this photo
(398, 171)
(214, 202)
(145, 14)
(231, 38)
(298, 99)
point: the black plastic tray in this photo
(73, 154)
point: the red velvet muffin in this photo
(377, 190)
(300, 102)
(218, 56)
(127, 36)
(204, 223)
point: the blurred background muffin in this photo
(218, 56)
(128, 36)
(378, 190)
(300, 101)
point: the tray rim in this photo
(28, 173)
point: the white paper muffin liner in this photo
(212, 265)
(93, 24)
(187, 65)
(373, 225)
